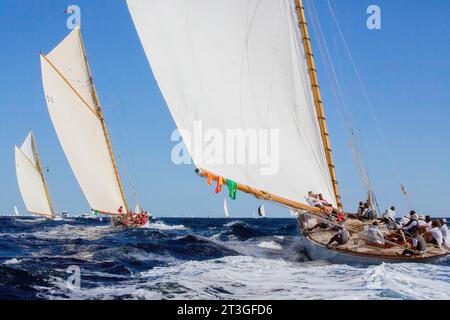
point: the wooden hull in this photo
(124, 223)
(319, 252)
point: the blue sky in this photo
(405, 67)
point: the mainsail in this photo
(240, 64)
(30, 178)
(78, 120)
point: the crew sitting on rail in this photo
(419, 245)
(422, 222)
(368, 212)
(412, 224)
(429, 222)
(434, 236)
(389, 216)
(358, 213)
(444, 230)
(374, 234)
(313, 199)
(341, 237)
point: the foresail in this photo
(31, 184)
(239, 65)
(77, 122)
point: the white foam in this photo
(159, 225)
(11, 262)
(243, 277)
(270, 245)
(233, 223)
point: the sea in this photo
(181, 258)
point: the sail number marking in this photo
(49, 99)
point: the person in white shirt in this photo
(436, 234)
(444, 230)
(422, 223)
(313, 199)
(404, 221)
(374, 234)
(389, 216)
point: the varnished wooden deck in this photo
(358, 245)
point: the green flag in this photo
(232, 187)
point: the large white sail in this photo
(31, 180)
(77, 121)
(238, 64)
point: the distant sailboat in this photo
(31, 180)
(248, 64)
(78, 119)
(262, 211)
(16, 211)
(225, 208)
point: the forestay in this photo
(238, 64)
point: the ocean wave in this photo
(242, 277)
(193, 259)
(11, 262)
(256, 278)
(270, 245)
(159, 225)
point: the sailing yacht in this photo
(262, 211)
(248, 64)
(31, 180)
(78, 119)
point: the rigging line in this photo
(368, 100)
(122, 159)
(339, 98)
(122, 162)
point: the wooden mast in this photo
(317, 98)
(39, 168)
(103, 122)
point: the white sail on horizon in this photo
(16, 211)
(239, 64)
(31, 180)
(225, 208)
(77, 121)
